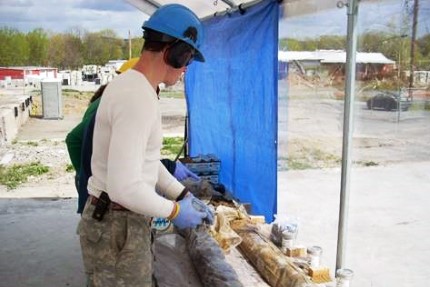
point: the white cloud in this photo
(60, 16)
(372, 16)
(120, 16)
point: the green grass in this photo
(17, 174)
(172, 94)
(70, 168)
(171, 146)
(298, 164)
(70, 91)
(366, 163)
(420, 106)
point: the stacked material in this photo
(270, 262)
(233, 228)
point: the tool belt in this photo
(112, 205)
(103, 204)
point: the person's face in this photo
(180, 53)
(173, 75)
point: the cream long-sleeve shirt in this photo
(126, 148)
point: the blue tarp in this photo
(232, 103)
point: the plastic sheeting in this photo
(232, 103)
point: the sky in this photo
(62, 15)
(120, 16)
(375, 16)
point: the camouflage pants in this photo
(117, 250)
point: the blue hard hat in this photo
(176, 21)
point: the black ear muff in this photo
(179, 54)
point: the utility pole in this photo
(413, 46)
(129, 45)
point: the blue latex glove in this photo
(189, 216)
(201, 206)
(182, 172)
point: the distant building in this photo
(369, 65)
(27, 74)
(115, 64)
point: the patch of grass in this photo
(75, 94)
(70, 168)
(298, 164)
(172, 94)
(31, 143)
(36, 107)
(17, 174)
(70, 91)
(366, 163)
(309, 158)
(171, 146)
(35, 92)
(420, 106)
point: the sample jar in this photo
(287, 241)
(314, 253)
(343, 277)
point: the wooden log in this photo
(209, 260)
(277, 269)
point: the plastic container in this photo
(287, 241)
(314, 253)
(343, 277)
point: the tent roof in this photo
(332, 56)
(201, 8)
(290, 8)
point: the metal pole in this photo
(351, 49)
(129, 45)
(413, 47)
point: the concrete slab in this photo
(387, 234)
(37, 129)
(387, 237)
(39, 245)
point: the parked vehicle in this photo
(389, 101)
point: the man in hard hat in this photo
(80, 151)
(129, 185)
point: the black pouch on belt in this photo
(102, 206)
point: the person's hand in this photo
(200, 205)
(189, 216)
(182, 172)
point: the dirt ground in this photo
(41, 140)
(311, 127)
(309, 132)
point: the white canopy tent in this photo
(291, 8)
(207, 8)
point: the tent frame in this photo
(348, 116)
(352, 14)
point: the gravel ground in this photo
(310, 136)
(41, 140)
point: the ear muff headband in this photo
(179, 54)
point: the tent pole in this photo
(232, 9)
(351, 49)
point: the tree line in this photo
(69, 50)
(75, 48)
(394, 47)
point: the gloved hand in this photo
(201, 206)
(188, 216)
(182, 172)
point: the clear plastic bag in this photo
(284, 231)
